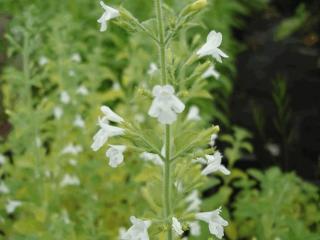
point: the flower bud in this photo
(198, 5)
(194, 7)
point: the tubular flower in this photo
(115, 155)
(12, 205)
(194, 201)
(214, 164)
(109, 13)
(138, 230)
(195, 229)
(211, 47)
(211, 71)
(193, 114)
(165, 105)
(215, 221)
(176, 226)
(106, 130)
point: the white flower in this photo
(3, 188)
(153, 68)
(115, 155)
(73, 162)
(79, 122)
(102, 136)
(165, 105)
(194, 201)
(176, 226)
(106, 130)
(211, 47)
(69, 180)
(64, 97)
(213, 139)
(72, 149)
(193, 114)
(110, 115)
(138, 230)
(152, 157)
(211, 71)
(116, 86)
(109, 13)
(273, 149)
(82, 90)
(195, 229)
(65, 217)
(57, 112)
(214, 164)
(43, 61)
(2, 159)
(76, 57)
(71, 73)
(215, 221)
(12, 205)
(122, 232)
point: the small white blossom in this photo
(115, 155)
(153, 68)
(72, 149)
(82, 90)
(69, 180)
(3, 188)
(214, 164)
(65, 217)
(193, 114)
(211, 47)
(165, 105)
(211, 71)
(116, 86)
(2, 159)
(106, 130)
(122, 232)
(79, 122)
(273, 149)
(12, 205)
(73, 162)
(194, 201)
(195, 229)
(64, 97)
(102, 136)
(76, 57)
(138, 230)
(213, 139)
(176, 226)
(43, 61)
(57, 112)
(152, 157)
(71, 73)
(109, 13)
(215, 221)
(110, 115)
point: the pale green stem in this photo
(167, 165)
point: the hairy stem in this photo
(167, 165)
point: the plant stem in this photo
(166, 170)
(162, 45)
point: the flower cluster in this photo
(165, 107)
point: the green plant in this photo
(274, 205)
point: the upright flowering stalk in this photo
(183, 144)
